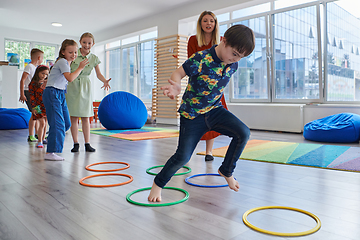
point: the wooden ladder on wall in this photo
(171, 52)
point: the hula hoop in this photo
(296, 234)
(107, 170)
(157, 204)
(204, 174)
(106, 174)
(176, 174)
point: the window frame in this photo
(32, 45)
(137, 55)
(269, 15)
(272, 54)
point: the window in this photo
(22, 49)
(223, 17)
(288, 3)
(147, 65)
(130, 65)
(295, 54)
(129, 70)
(113, 68)
(251, 10)
(49, 54)
(303, 67)
(342, 51)
(250, 81)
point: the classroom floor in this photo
(44, 200)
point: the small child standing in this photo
(200, 111)
(37, 57)
(36, 89)
(54, 98)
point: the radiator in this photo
(273, 117)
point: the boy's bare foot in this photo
(233, 184)
(155, 193)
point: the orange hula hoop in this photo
(106, 174)
(107, 170)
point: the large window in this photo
(21, 51)
(128, 69)
(49, 54)
(293, 61)
(147, 55)
(250, 80)
(342, 51)
(113, 68)
(295, 54)
(17, 52)
(130, 64)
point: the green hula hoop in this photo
(157, 204)
(176, 174)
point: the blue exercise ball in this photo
(14, 118)
(122, 110)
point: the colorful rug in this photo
(304, 154)
(143, 133)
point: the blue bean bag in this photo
(338, 128)
(14, 118)
(122, 110)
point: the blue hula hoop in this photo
(204, 174)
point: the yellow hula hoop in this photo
(296, 234)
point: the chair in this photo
(96, 108)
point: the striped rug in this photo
(304, 154)
(144, 133)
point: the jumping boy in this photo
(37, 57)
(209, 72)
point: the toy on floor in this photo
(338, 128)
(128, 198)
(14, 118)
(296, 234)
(122, 110)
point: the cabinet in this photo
(10, 87)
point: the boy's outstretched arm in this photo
(174, 88)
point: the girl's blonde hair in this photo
(65, 43)
(87, 34)
(200, 34)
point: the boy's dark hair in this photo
(35, 51)
(240, 37)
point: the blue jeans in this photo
(58, 118)
(191, 131)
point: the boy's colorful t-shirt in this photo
(208, 77)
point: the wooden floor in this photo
(44, 200)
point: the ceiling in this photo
(78, 16)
